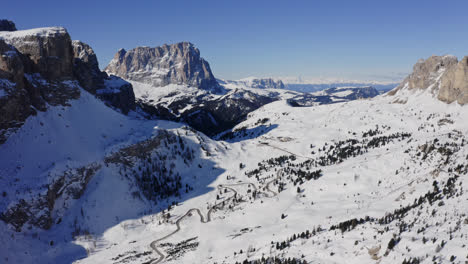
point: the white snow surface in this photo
(39, 32)
(365, 185)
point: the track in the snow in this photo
(154, 244)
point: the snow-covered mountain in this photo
(333, 95)
(173, 82)
(87, 177)
(253, 82)
(317, 84)
(178, 63)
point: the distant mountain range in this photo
(333, 95)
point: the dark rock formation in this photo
(118, 93)
(215, 116)
(7, 25)
(41, 66)
(178, 63)
(49, 49)
(113, 90)
(86, 67)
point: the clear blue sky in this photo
(350, 39)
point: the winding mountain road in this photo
(154, 244)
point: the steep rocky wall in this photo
(178, 63)
(443, 76)
(454, 83)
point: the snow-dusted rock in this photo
(49, 49)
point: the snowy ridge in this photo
(36, 32)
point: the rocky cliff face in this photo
(111, 89)
(41, 67)
(178, 63)
(454, 83)
(7, 25)
(49, 50)
(86, 67)
(443, 76)
(35, 70)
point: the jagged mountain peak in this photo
(178, 63)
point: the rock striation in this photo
(178, 63)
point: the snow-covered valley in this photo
(170, 166)
(279, 209)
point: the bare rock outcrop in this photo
(49, 49)
(35, 70)
(178, 63)
(443, 76)
(40, 67)
(112, 90)
(86, 67)
(454, 83)
(426, 73)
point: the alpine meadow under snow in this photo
(154, 160)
